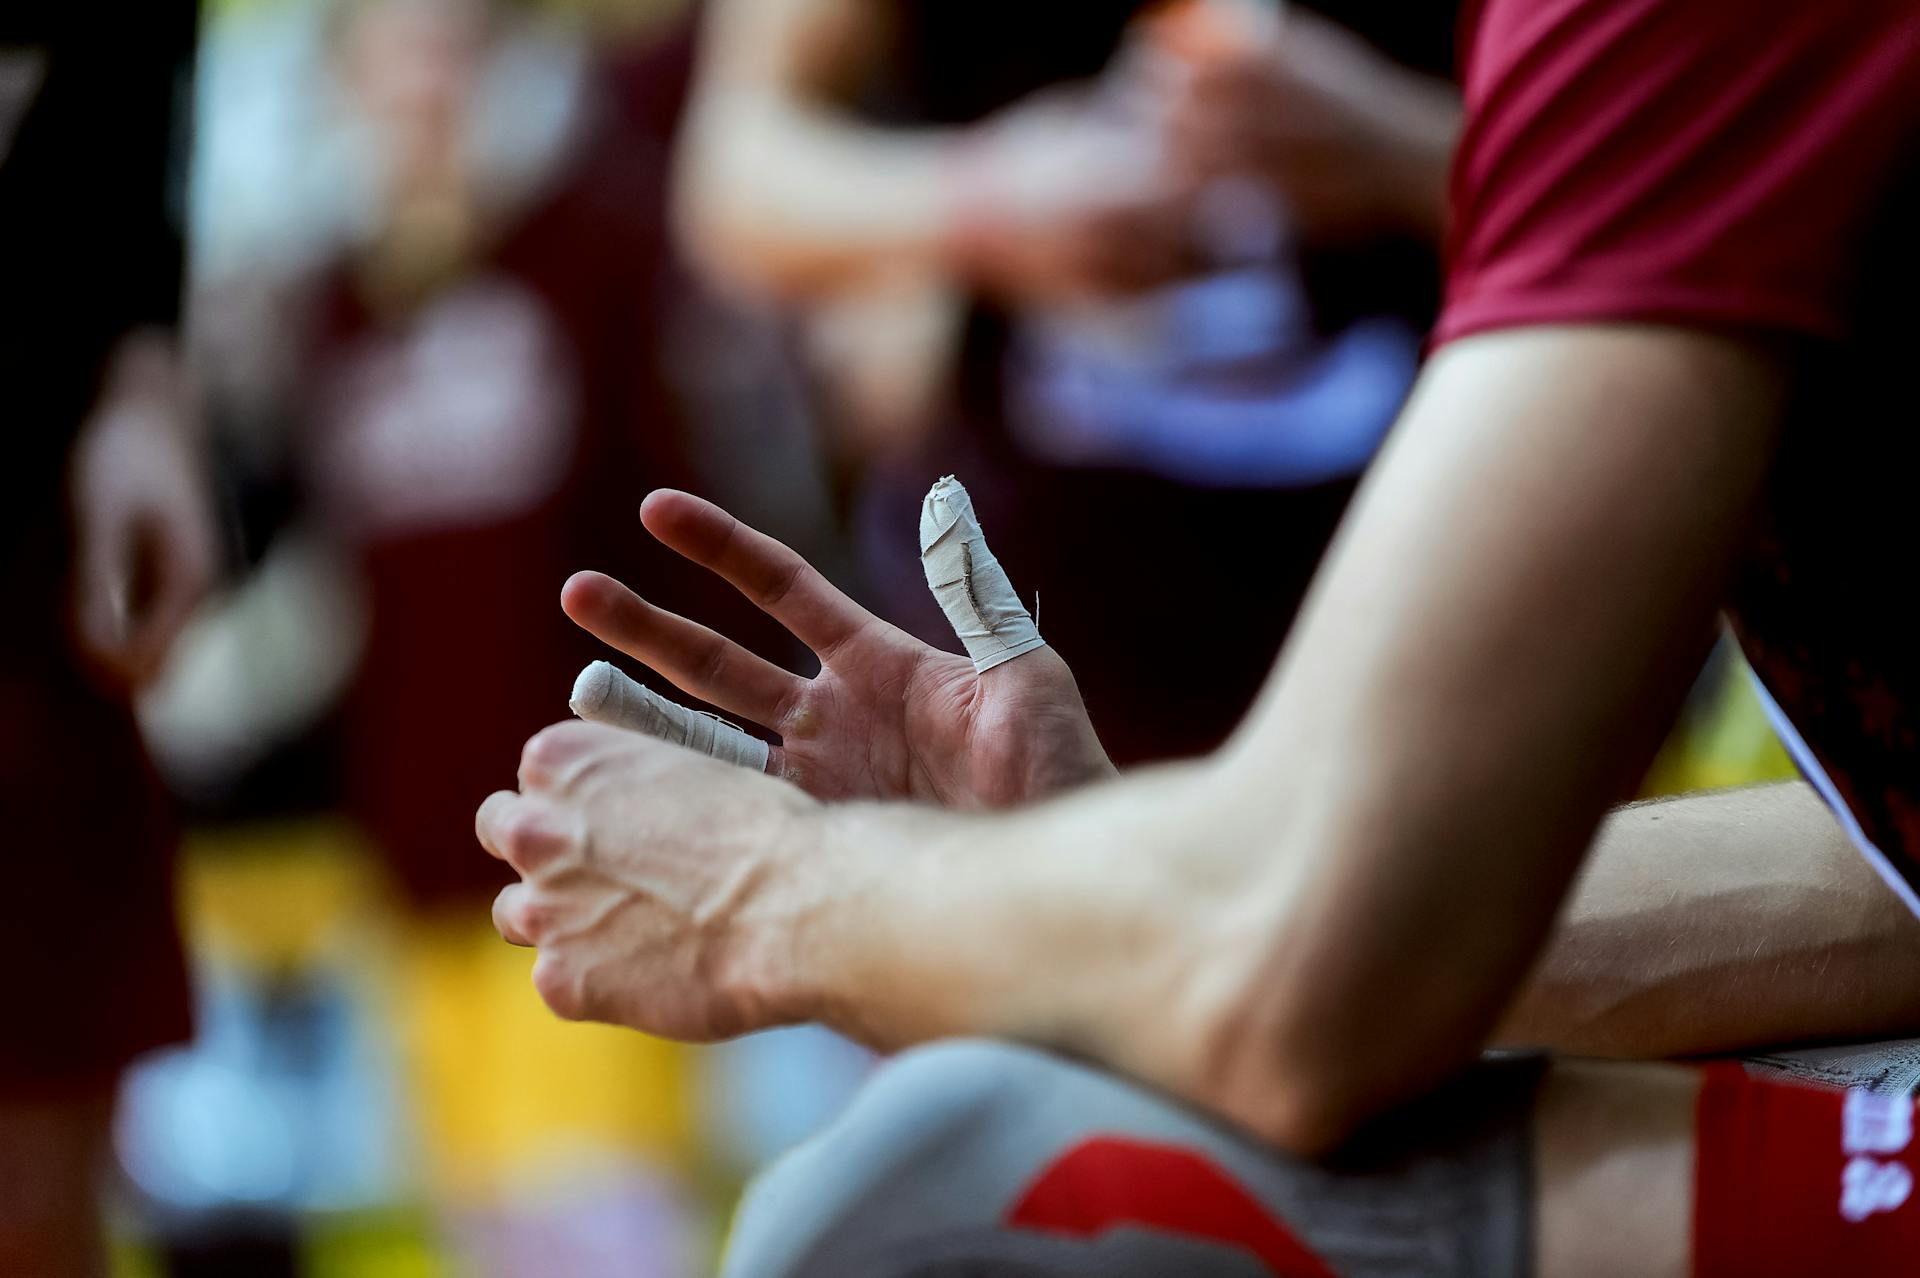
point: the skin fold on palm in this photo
(887, 717)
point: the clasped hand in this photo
(667, 891)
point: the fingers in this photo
(778, 581)
(527, 833)
(969, 583)
(696, 660)
(508, 906)
(555, 757)
(487, 821)
(603, 695)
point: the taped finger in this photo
(969, 583)
(602, 694)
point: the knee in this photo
(922, 1098)
(923, 1115)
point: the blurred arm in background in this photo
(783, 190)
(1358, 144)
(1213, 117)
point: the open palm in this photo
(886, 717)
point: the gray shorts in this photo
(974, 1157)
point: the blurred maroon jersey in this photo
(477, 446)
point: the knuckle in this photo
(712, 665)
(787, 572)
(559, 987)
(527, 836)
(509, 930)
(549, 751)
(532, 918)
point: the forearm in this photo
(781, 189)
(797, 201)
(1502, 631)
(1333, 912)
(1091, 923)
(1722, 921)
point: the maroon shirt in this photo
(472, 450)
(1753, 168)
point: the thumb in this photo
(968, 582)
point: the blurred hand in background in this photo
(1067, 194)
(145, 544)
(1355, 143)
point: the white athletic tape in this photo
(604, 695)
(969, 582)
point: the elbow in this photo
(1301, 1063)
(1242, 1059)
(1298, 1107)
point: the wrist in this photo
(867, 942)
(790, 945)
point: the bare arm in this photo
(780, 187)
(784, 190)
(1325, 917)
(1713, 922)
(1720, 922)
(1335, 911)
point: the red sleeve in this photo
(1706, 162)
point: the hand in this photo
(1354, 142)
(1064, 197)
(647, 912)
(887, 716)
(144, 549)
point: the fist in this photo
(655, 882)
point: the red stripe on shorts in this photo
(1110, 1181)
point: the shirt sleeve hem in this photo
(1760, 314)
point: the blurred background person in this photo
(1153, 280)
(106, 544)
(450, 349)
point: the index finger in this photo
(778, 581)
